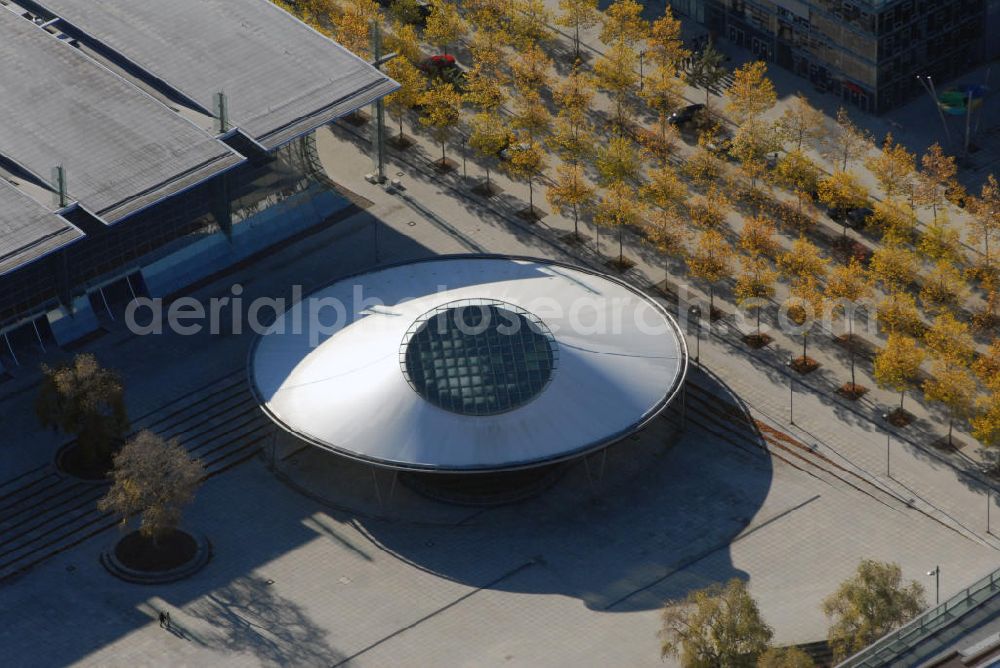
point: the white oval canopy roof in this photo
(338, 382)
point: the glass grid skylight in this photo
(478, 357)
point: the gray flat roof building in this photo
(120, 147)
(28, 230)
(281, 78)
(157, 183)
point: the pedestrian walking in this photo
(168, 621)
(163, 619)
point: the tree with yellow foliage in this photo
(943, 287)
(803, 262)
(404, 13)
(801, 122)
(483, 90)
(445, 26)
(489, 135)
(664, 188)
(489, 17)
(897, 365)
(711, 261)
(702, 167)
(531, 71)
(663, 93)
(751, 93)
(986, 219)
(898, 312)
(954, 387)
(754, 287)
(665, 45)
(842, 191)
(618, 209)
(895, 266)
(487, 49)
(404, 41)
(949, 339)
(806, 304)
(894, 220)
(623, 22)
(531, 116)
(668, 232)
(577, 15)
(797, 172)
(987, 366)
(940, 241)
(937, 173)
(442, 110)
(354, 26)
(529, 23)
(526, 163)
(757, 237)
(720, 625)
(411, 86)
(847, 142)
(894, 168)
(754, 141)
(709, 211)
(707, 70)
(618, 161)
(848, 287)
(785, 657)
(616, 74)
(986, 420)
(572, 137)
(571, 192)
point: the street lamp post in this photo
(465, 141)
(791, 393)
(694, 311)
(937, 583)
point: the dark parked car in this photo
(852, 217)
(685, 115)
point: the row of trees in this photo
(722, 625)
(920, 277)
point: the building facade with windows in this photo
(867, 52)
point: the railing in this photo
(895, 644)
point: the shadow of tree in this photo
(248, 617)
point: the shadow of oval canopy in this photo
(650, 522)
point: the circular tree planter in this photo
(179, 555)
(69, 461)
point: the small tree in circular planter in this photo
(152, 479)
(86, 400)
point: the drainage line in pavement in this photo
(488, 585)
